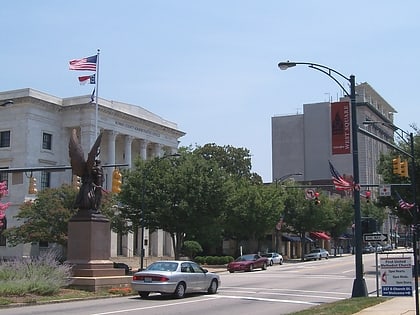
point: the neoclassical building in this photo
(35, 129)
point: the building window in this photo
(45, 179)
(3, 176)
(2, 228)
(46, 141)
(5, 139)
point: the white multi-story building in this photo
(35, 130)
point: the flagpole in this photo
(96, 97)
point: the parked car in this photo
(176, 278)
(273, 258)
(248, 263)
(387, 247)
(368, 249)
(317, 253)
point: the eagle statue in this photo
(90, 171)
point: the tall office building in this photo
(35, 129)
(304, 143)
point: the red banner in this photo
(340, 128)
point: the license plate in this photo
(147, 279)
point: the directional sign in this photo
(384, 190)
(375, 237)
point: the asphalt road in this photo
(278, 290)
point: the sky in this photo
(211, 65)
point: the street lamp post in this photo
(359, 284)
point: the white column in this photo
(157, 150)
(128, 141)
(112, 135)
(143, 149)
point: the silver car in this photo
(317, 253)
(174, 277)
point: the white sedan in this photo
(174, 277)
(273, 258)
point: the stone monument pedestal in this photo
(89, 246)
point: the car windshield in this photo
(245, 257)
(162, 266)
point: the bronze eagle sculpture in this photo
(90, 171)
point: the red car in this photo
(248, 263)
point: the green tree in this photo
(253, 211)
(44, 219)
(182, 195)
(302, 216)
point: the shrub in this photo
(192, 248)
(43, 275)
(213, 260)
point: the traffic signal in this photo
(367, 195)
(317, 201)
(396, 165)
(404, 169)
(116, 181)
(32, 186)
(76, 182)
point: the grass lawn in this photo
(343, 307)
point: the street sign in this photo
(396, 276)
(310, 194)
(375, 237)
(385, 190)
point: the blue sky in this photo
(211, 66)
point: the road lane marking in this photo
(288, 294)
(290, 290)
(265, 299)
(154, 306)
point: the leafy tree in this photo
(302, 216)
(404, 189)
(181, 195)
(343, 214)
(253, 211)
(234, 161)
(44, 219)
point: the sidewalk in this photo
(394, 306)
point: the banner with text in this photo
(340, 128)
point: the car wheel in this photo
(213, 287)
(231, 271)
(264, 266)
(271, 262)
(320, 257)
(281, 262)
(251, 267)
(144, 294)
(326, 257)
(180, 290)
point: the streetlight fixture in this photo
(143, 205)
(359, 284)
(6, 103)
(402, 134)
(284, 177)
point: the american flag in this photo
(88, 63)
(339, 182)
(403, 204)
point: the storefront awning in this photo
(320, 235)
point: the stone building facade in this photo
(35, 131)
